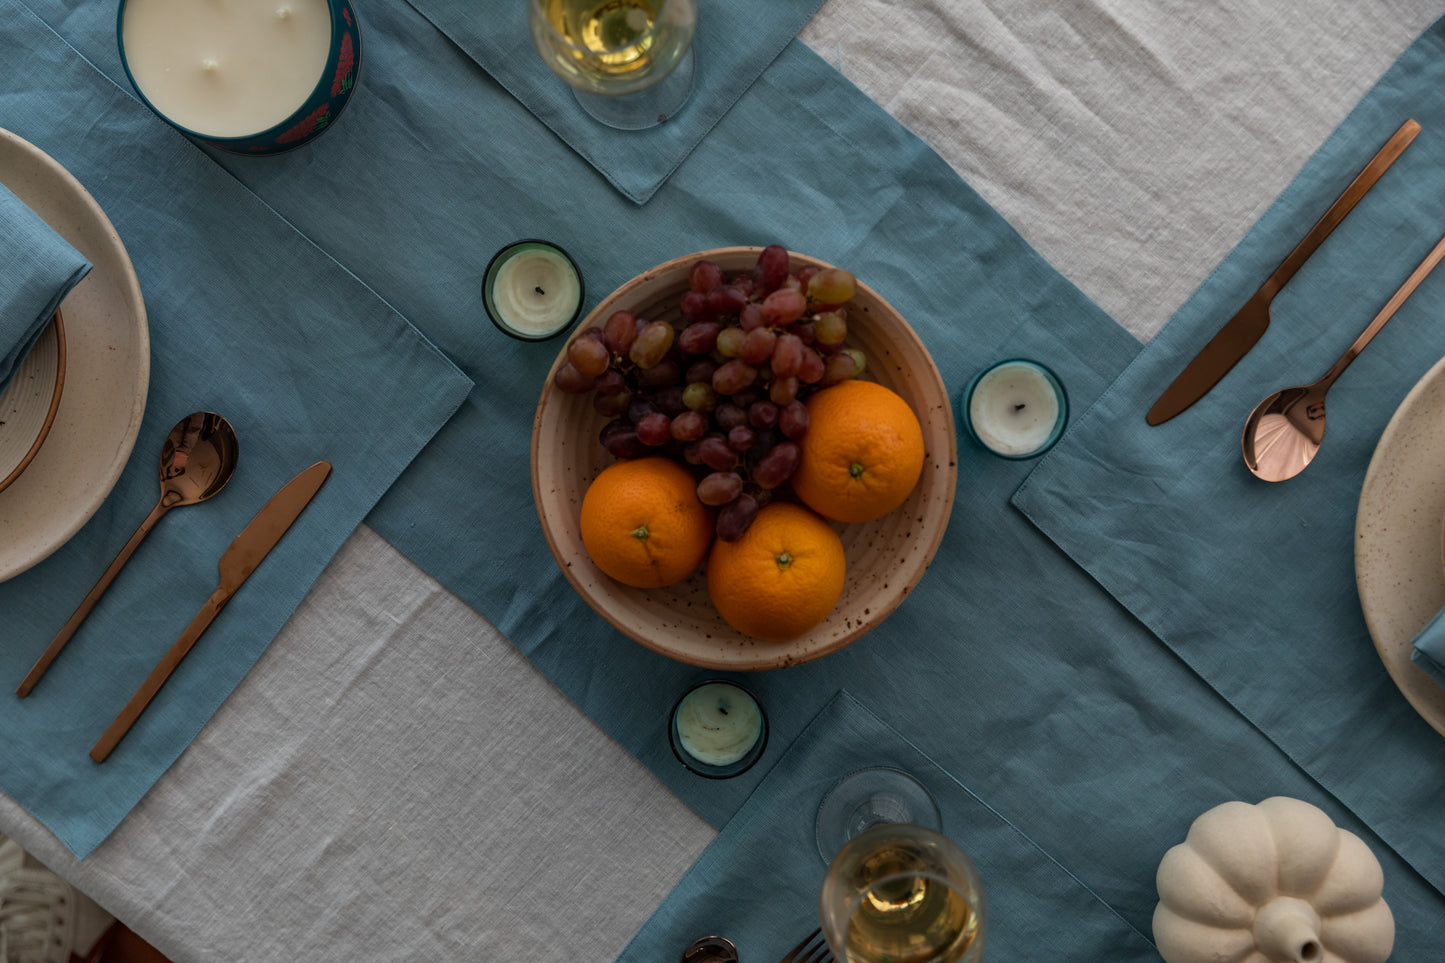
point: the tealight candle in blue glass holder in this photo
(718, 729)
(1015, 409)
(253, 77)
(532, 290)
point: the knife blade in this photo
(243, 556)
(1243, 331)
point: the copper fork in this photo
(812, 950)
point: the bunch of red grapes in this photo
(722, 389)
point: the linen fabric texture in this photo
(1252, 584)
(733, 44)
(1008, 665)
(247, 318)
(38, 268)
(769, 847)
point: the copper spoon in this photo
(1285, 430)
(198, 458)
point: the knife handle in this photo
(148, 689)
(1346, 202)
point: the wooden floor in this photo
(120, 945)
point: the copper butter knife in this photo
(240, 560)
(1241, 332)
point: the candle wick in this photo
(1020, 406)
(538, 289)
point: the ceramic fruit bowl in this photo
(885, 557)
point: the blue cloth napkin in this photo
(1429, 648)
(37, 270)
(247, 318)
(758, 882)
(1252, 583)
(734, 43)
(1008, 664)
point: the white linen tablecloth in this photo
(394, 781)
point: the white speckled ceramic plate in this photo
(107, 369)
(1398, 538)
(30, 401)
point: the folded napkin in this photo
(37, 270)
(1253, 584)
(757, 884)
(1429, 647)
(734, 43)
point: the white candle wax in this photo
(226, 68)
(718, 724)
(1014, 408)
(534, 290)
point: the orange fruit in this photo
(642, 523)
(781, 578)
(862, 454)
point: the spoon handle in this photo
(69, 628)
(1387, 312)
(1346, 202)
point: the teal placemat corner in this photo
(757, 884)
(734, 43)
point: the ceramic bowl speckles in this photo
(885, 558)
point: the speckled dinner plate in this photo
(107, 369)
(1398, 566)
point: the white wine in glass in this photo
(899, 893)
(629, 61)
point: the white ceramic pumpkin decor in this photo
(1276, 882)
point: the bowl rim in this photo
(774, 655)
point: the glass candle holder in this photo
(532, 290)
(1014, 409)
(717, 729)
(255, 78)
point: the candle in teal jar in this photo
(532, 290)
(1015, 409)
(718, 728)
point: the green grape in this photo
(831, 286)
(830, 327)
(652, 344)
(700, 396)
(730, 342)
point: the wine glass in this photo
(629, 62)
(896, 890)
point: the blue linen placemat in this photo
(37, 269)
(734, 43)
(1252, 583)
(758, 882)
(1007, 664)
(247, 318)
